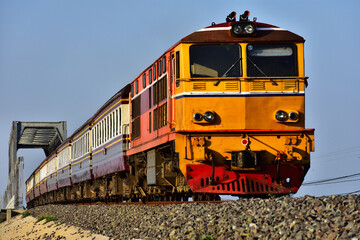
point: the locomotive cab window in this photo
(215, 60)
(271, 60)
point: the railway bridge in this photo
(45, 135)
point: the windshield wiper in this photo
(232, 66)
(272, 81)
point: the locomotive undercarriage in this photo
(155, 175)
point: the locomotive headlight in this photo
(249, 29)
(209, 116)
(197, 117)
(237, 29)
(243, 29)
(293, 116)
(281, 115)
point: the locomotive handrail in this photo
(247, 131)
(242, 78)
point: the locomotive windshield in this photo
(215, 61)
(271, 60)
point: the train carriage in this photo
(30, 188)
(63, 165)
(81, 163)
(109, 134)
(37, 183)
(43, 177)
(52, 173)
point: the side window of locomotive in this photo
(164, 64)
(265, 60)
(137, 86)
(215, 60)
(177, 64)
(159, 68)
(150, 74)
(144, 80)
(154, 72)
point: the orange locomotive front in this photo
(222, 112)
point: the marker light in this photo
(293, 116)
(209, 116)
(197, 117)
(281, 115)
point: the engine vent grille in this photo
(199, 86)
(232, 86)
(256, 86)
(290, 85)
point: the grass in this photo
(25, 214)
(48, 218)
(206, 237)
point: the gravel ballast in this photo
(335, 217)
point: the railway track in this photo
(149, 203)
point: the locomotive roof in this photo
(222, 33)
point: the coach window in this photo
(98, 136)
(215, 60)
(104, 130)
(164, 64)
(132, 90)
(93, 136)
(119, 119)
(100, 133)
(111, 130)
(115, 122)
(144, 80)
(137, 86)
(154, 72)
(150, 74)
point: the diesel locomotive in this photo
(220, 112)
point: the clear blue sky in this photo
(61, 60)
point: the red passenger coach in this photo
(151, 106)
